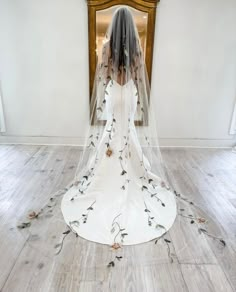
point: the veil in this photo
(121, 126)
(122, 65)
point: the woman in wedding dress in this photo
(120, 195)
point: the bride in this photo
(120, 195)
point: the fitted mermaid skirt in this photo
(120, 200)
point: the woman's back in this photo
(121, 75)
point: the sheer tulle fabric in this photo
(121, 193)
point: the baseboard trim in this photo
(78, 141)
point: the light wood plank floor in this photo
(29, 174)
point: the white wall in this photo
(195, 70)
(44, 70)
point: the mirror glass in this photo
(103, 19)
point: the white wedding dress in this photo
(121, 201)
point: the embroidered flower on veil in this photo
(109, 152)
(115, 246)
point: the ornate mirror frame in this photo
(148, 6)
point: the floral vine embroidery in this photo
(60, 245)
(153, 195)
(111, 131)
(200, 220)
(112, 263)
(123, 172)
(221, 240)
(148, 183)
(167, 243)
(192, 218)
(123, 155)
(179, 196)
(83, 218)
(125, 183)
(47, 210)
(92, 142)
(151, 219)
(119, 231)
(85, 181)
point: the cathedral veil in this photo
(122, 65)
(121, 193)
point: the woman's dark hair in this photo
(123, 40)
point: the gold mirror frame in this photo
(148, 6)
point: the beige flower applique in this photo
(33, 215)
(109, 152)
(115, 246)
(201, 220)
(163, 184)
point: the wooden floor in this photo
(29, 174)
